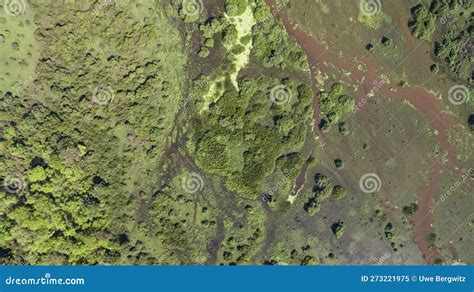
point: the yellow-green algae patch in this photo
(243, 23)
(216, 89)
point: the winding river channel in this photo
(422, 100)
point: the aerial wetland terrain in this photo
(236, 132)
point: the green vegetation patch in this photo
(245, 132)
(449, 24)
(333, 105)
(272, 46)
(107, 81)
(323, 189)
(19, 52)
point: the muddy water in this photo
(418, 97)
(423, 219)
(215, 244)
(300, 180)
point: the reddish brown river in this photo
(422, 100)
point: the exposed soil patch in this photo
(422, 100)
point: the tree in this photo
(322, 187)
(235, 7)
(388, 230)
(37, 174)
(431, 238)
(229, 36)
(338, 163)
(209, 42)
(333, 105)
(271, 44)
(212, 26)
(386, 41)
(434, 68)
(309, 261)
(338, 228)
(339, 192)
(343, 128)
(422, 24)
(203, 52)
(410, 210)
(312, 205)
